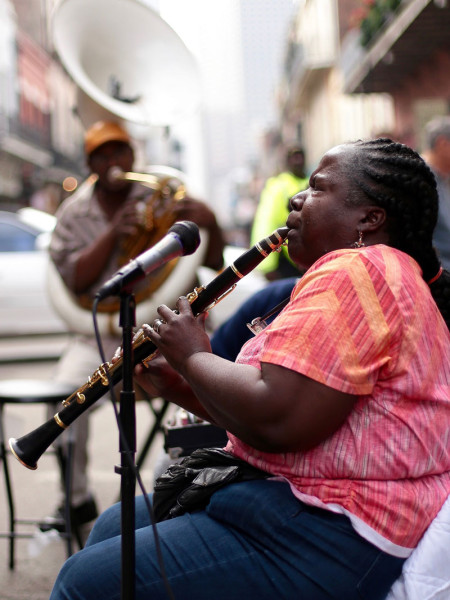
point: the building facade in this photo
(40, 139)
(314, 104)
(405, 53)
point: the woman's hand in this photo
(155, 375)
(159, 379)
(178, 335)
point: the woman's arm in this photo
(273, 409)
(160, 380)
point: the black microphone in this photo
(181, 239)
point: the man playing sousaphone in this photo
(99, 228)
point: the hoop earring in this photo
(359, 243)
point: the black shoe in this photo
(79, 515)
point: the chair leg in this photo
(72, 530)
(9, 493)
(65, 465)
(159, 416)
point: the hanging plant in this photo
(377, 14)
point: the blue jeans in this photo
(254, 540)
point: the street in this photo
(38, 559)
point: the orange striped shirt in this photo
(364, 322)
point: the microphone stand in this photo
(127, 417)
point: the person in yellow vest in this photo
(273, 209)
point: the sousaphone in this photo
(129, 66)
(127, 59)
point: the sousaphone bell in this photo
(129, 66)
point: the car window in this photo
(14, 239)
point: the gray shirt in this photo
(441, 236)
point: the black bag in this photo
(188, 485)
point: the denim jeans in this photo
(254, 541)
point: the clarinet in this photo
(30, 447)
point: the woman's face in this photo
(320, 220)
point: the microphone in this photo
(181, 239)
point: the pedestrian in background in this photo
(437, 155)
(273, 209)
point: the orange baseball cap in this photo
(104, 131)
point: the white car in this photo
(25, 307)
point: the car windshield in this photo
(15, 239)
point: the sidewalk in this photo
(36, 491)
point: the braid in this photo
(395, 177)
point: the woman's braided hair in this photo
(396, 178)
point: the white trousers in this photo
(78, 362)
